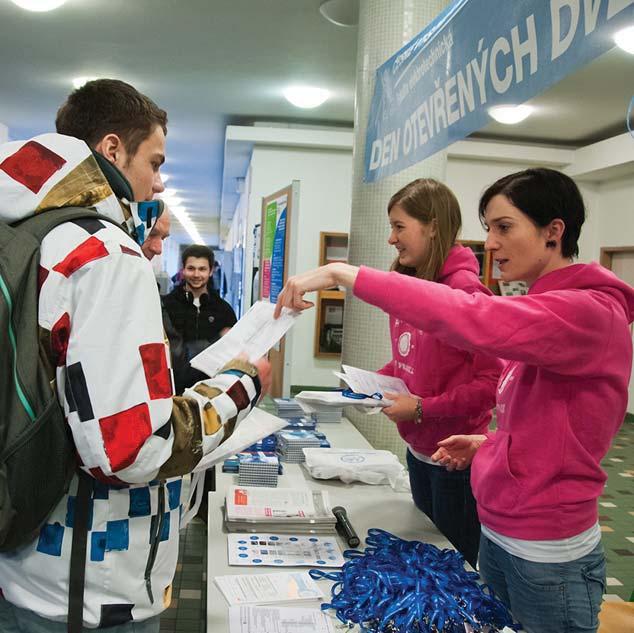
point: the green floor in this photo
(616, 515)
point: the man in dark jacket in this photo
(196, 312)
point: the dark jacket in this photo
(199, 326)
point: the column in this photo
(384, 27)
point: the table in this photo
(367, 506)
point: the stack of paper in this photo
(269, 588)
(291, 443)
(285, 510)
(370, 383)
(258, 469)
(273, 619)
(287, 408)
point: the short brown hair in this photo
(198, 250)
(428, 200)
(110, 106)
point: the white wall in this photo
(325, 177)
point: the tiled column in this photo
(384, 27)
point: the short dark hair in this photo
(110, 106)
(543, 195)
(198, 250)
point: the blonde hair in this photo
(429, 201)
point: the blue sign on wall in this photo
(278, 258)
(474, 55)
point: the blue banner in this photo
(474, 55)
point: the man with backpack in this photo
(120, 436)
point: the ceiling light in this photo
(78, 82)
(306, 96)
(39, 5)
(165, 178)
(181, 215)
(625, 39)
(510, 114)
(340, 12)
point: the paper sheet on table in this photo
(254, 334)
(283, 550)
(248, 619)
(252, 429)
(268, 588)
(334, 399)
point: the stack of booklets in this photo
(283, 510)
(258, 469)
(326, 414)
(304, 423)
(291, 443)
(232, 464)
(268, 443)
(287, 408)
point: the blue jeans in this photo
(16, 620)
(446, 498)
(547, 597)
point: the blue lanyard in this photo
(397, 586)
(348, 393)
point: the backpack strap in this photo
(43, 223)
(78, 553)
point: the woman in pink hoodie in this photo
(453, 389)
(560, 400)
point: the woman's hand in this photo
(457, 451)
(292, 295)
(403, 407)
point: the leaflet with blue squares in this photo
(283, 550)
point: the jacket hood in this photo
(459, 258)
(588, 277)
(52, 171)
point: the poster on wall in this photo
(274, 241)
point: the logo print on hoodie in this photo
(404, 343)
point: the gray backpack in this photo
(37, 455)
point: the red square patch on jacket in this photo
(124, 434)
(32, 165)
(157, 373)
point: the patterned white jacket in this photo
(100, 324)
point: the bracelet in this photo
(419, 411)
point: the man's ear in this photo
(111, 148)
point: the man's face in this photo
(153, 244)
(196, 272)
(143, 169)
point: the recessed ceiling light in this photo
(78, 82)
(510, 114)
(165, 177)
(625, 39)
(340, 12)
(39, 5)
(180, 213)
(306, 96)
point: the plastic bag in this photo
(357, 464)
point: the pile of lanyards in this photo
(397, 586)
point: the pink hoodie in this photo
(457, 386)
(560, 400)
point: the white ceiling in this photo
(210, 63)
